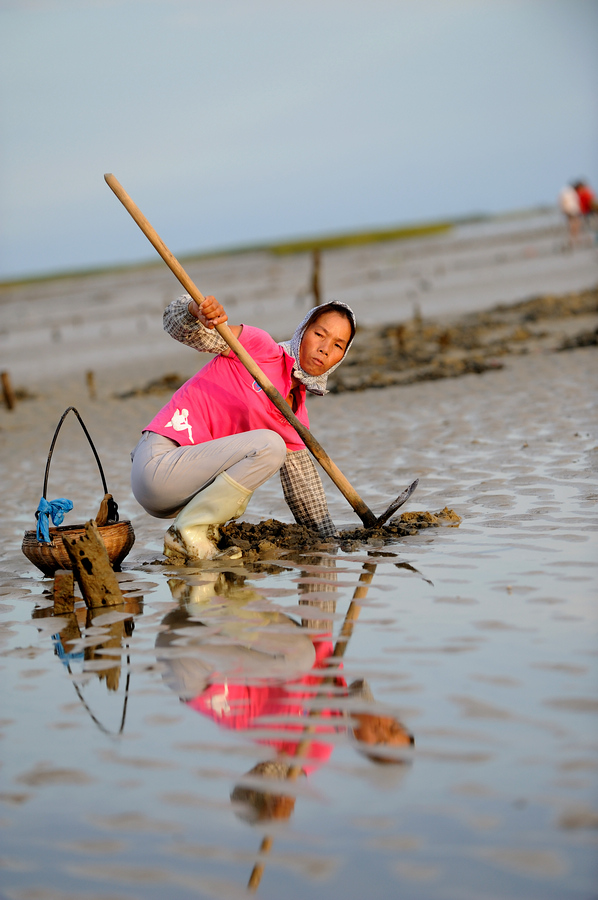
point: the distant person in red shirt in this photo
(587, 200)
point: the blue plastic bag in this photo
(56, 509)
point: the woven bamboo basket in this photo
(117, 534)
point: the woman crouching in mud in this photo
(220, 437)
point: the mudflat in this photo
(476, 634)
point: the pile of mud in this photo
(429, 349)
(169, 383)
(271, 536)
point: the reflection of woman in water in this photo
(248, 669)
(220, 437)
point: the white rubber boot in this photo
(194, 533)
(193, 596)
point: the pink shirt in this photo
(223, 399)
(281, 708)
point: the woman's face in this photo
(324, 343)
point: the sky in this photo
(242, 121)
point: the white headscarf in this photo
(315, 384)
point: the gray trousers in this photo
(165, 476)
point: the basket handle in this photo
(113, 513)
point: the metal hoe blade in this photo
(396, 504)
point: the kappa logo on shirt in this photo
(219, 704)
(180, 422)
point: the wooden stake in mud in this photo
(363, 511)
(7, 391)
(315, 276)
(92, 569)
(64, 583)
(90, 380)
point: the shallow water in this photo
(119, 761)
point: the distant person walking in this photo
(570, 207)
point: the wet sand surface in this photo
(112, 322)
(131, 740)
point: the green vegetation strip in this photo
(359, 238)
(304, 245)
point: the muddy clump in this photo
(425, 349)
(406, 524)
(168, 383)
(447, 347)
(270, 537)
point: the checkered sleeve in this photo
(304, 492)
(182, 326)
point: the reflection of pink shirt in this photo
(247, 706)
(223, 399)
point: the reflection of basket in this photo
(118, 536)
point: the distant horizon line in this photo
(327, 241)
